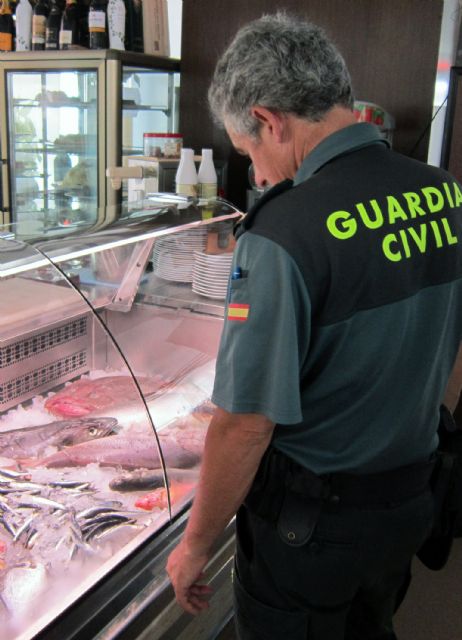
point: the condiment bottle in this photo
(186, 175)
(6, 27)
(23, 25)
(207, 176)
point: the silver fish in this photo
(105, 532)
(147, 479)
(123, 451)
(110, 523)
(31, 442)
(9, 474)
(39, 502)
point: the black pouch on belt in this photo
(447, 495)
(287, 495)
(298, 518)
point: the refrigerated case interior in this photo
(107, 353)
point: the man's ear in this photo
(272, 121)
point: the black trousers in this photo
(342, 585)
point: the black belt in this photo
(292, 496)
(277, 471)
(394, 486)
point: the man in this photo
(342, 325)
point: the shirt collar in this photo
(351, 138)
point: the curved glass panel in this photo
(108, 340)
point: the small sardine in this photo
(70, 484)
(110, 523)
(105, 532)
(24, 527)
(34, 502)
(16, 475)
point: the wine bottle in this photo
(83, 37)
(23, 25)
(53, 26)
(97, 24)
(6, 27)
(69, 32)
(138, 41)
(39, 25)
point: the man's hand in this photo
(234, 446)
(185, 570)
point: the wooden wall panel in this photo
(391, 49)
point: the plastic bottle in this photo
(186, 175)
(207, 176)
(23, 25)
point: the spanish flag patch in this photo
(238, 312)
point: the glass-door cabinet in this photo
(67, 116)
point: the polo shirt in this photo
(344, 312)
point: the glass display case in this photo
(65, 118)
(108, 340)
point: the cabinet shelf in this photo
(71, 102)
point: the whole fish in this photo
(84, 397)
(123, 451)
(31, 442)
(142, 479)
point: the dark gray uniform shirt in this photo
(345, 392)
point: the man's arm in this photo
(234, 446)
(453, 389)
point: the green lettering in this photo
(394, 256)
(407, 251)
(448, 194)
(341, 225)
(436, 233)
(452, 239)
(434, 198)
(395, 210)
(457, 194)
(368, 221)
(419, 239)
(413, 204)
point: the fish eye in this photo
(92, 431)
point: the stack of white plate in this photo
(173, 256)
(211, 274)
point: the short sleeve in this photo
(266, 333)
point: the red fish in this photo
(85, 397)
(158, 498)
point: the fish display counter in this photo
(108, 340)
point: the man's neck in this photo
(308, 135)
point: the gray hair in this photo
(282, 63)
